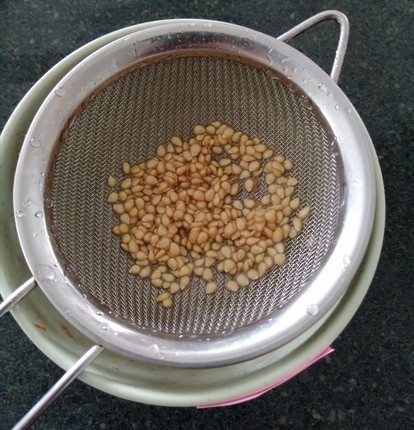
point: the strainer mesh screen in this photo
(126, 122)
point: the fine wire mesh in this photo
(126, 121)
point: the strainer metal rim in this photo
(246, 343)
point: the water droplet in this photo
(323, 89)
(356, 182)
(39, 214)
(208, 24)
(336, 107)
(28, 202)
(346, 260)
(20, 214)
(60, 91)
(306, 77)
(99, 313)
(311, 241)
(46, 273)
(153, 347)
(116, 333)
(283, 304)
(312, 310)
(306, 101)
(348, 110)
(35, 142)
(104, 327)
(48, 202)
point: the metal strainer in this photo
(127, 121)
(124, 100)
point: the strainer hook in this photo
(343, 36)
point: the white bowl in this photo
(137, 381)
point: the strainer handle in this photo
(343, 36)
(58, 388)
(65, 380)
(16, 296)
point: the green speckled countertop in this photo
(367, 383)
